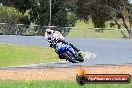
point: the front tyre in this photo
(70, 59)
(80, 59)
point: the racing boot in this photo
(78, 50)
(74, 47)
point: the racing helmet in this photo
(49, 31)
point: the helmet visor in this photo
(49, 32)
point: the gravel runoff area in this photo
(61, 73)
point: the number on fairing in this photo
(63, 45)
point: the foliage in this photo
(39, 11)
(103, 10)
(96, 9)
(24, 20)
(9, 15)
(6, 2)
(22, 5)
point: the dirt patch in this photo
(61, 73)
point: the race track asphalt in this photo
(108, 51)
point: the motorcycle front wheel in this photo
(80, 59)
(69, 58)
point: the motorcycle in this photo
(65, 51)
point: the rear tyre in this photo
(70, 59)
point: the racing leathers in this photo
(57, 36)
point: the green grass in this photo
(11, 55)
(90, 33)
(86, 30)
(57, 84)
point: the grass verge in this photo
(86, 30)
(57, 84)
(11, 55)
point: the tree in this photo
(39, 11)
(6, 3)
(10, 16)
(94, 9)
(101, 11)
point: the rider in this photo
(50, 35)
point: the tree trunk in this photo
(120, 30)
(122, 33)
(130, 34)
(119, 27)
